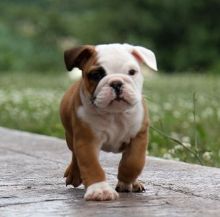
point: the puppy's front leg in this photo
(92, 174)
(132, 163)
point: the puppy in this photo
(105, 110)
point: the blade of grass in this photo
(195, 154)
(194, 121)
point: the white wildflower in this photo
(155, 118)
(178, 147)
(191, 117)
(17, 98)
(208, 112)
(154, 108)
(201, 99)
(3, 97)
(171, 151)
(167, 106)
(207, 156)
(187, 105)
(167, 156)
(187, 144)
(186, 139)
(174, 135)
(154, 144)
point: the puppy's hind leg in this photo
(72, 173)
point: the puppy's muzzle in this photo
(117, 87)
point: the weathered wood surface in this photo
(31, 184)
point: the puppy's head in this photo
(111, 75)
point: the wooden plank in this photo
(31, 183)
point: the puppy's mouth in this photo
(116, 99)
(119, 99)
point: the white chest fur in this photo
(113, 129)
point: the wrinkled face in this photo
(118, 79)
(111, 77)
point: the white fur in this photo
(105, 94)
(115, 122)
(117, 60)
(100, 191)
(146, 55)
(113, 129)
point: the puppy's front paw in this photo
(100, 191)
(137, 186)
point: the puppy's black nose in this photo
(117, 86)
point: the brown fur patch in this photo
(80, 139)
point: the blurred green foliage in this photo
(30, 102)
(183, 34)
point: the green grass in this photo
(184, 111)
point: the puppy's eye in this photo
(97, 74)
(132, 72)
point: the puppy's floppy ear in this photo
(143, 55)
(78, 56)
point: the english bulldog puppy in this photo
(105, 110)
